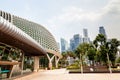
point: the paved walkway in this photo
(62, 74)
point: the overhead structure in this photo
(12, 35)
(32, 38)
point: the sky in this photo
(64, 18)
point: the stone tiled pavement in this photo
(62, 74)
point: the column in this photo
(22, 63)
(56, 61)
(50, 61)
(36, 63)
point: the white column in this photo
(22, 63)
(56, 61)
(36, 63)
(50, 61)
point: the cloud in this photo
(110, 18)
(73, 19)
(76, 14)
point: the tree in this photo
(107, 50)
(113, 48)
(100, 45)
(64, 61)
(71, 54)
(118, 60)
(91, 54)
(100, 39)
(81, 52)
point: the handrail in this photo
(8, 63)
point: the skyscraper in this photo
(75, 41)
(64, 45)
(85, 33)
(102, 31)
(86, 39)
(72, 44)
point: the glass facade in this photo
(102, 31)
(64, 45)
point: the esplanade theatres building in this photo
(26, 42)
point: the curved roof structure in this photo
(31, 37)
(12, 35)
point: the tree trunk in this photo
(81, 64)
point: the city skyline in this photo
(74, 41)
(65, 18)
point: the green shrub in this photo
(73, 66)
(118, 60)
(53, 68)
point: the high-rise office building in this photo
(85, 32)
(64, 45)
(86, 39)
(72, 44)
(75, 41)
(102, 31)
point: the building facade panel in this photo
(34, 30)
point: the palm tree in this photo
(100, 39)
(91, 54)
(71, 54)
(106, 49)
(65, 56)
(81, 51)
(113, 48)
(100, 45)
